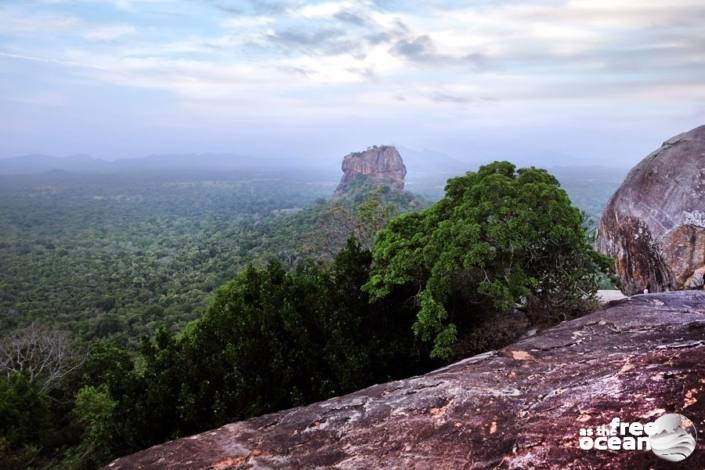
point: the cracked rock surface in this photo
(520, 407)
(654, 225)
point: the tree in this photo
(360, 212)
(42, 354)
(271, 339)
(366, 342)
(500, 237)
(94, 410)
(24, 420)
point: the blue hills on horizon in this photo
(37, 163)
(419, 164)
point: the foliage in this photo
(23, 411)
(131, 265)
(271, 339)
(500, 237)
(321, 231)
(117, 256)
(94, 410)
(42, 419)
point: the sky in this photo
(547, 82)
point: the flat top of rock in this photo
(375, 151)
(518, 407)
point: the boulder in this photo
(520, 407)
(379, 165)
(654, 225)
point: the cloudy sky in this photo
(536, 81)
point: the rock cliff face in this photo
(380, 164)
(519, 407)
(655, 223)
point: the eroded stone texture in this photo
(516, 408)
(380, 164)
(655, 223)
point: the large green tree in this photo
(271, 339)
(500, 237)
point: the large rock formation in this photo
(517, 408)
(378, 164)
(654, 225)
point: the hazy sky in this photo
(550, 82)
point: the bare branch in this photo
(44, 355)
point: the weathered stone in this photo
(654, 225)
(379, 164)
(520, 407)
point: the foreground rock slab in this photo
(520, 407)
(654, 225)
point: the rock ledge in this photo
(516, 408)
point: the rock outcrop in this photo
(379, 165)
(654, 225)
(520, 407)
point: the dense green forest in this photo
(115, 256)
(237, 295)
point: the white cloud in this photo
(328, 9)
(14, 21)
(476, 56)
(109, 32)
(239, 23)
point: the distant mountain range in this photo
(425, 162)
(33, 164)
(28, 164)
(421, 165)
